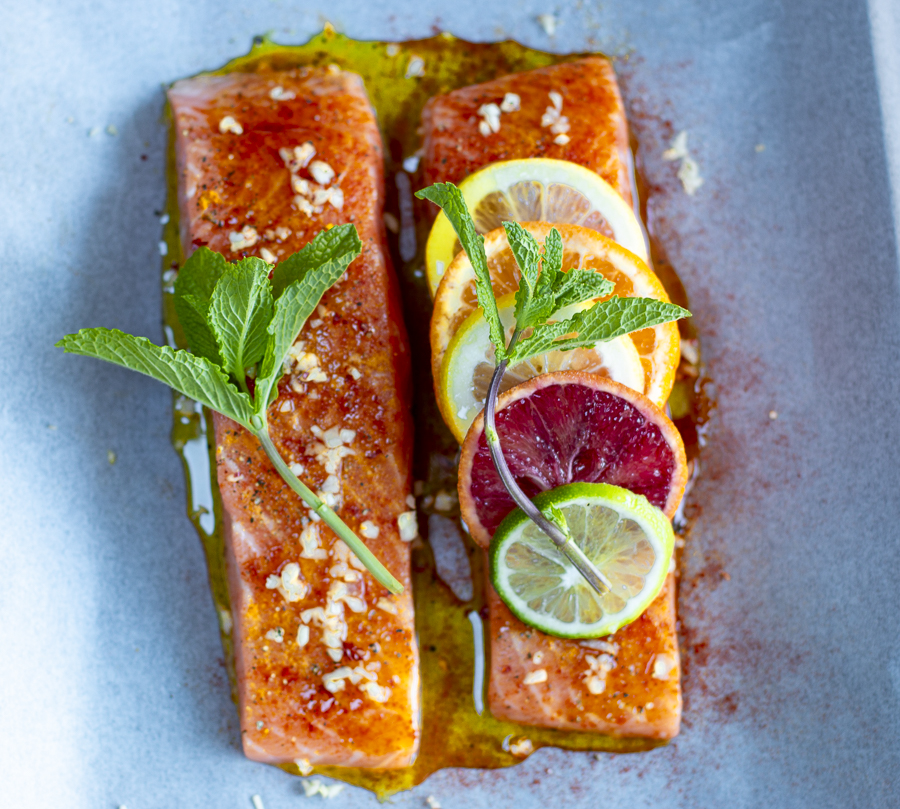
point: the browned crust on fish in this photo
(634, 674)
(228, 181)
(597, 135)
(639, 667)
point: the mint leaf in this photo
(200, 273)
(551, 271)
(576, 286)
(193, 289)
(309, 275)
(193, 315)
(239, 312)
(448, 197)
(330, 249)
(553, 255)
(527, 253)
(195, 377)
(604, 321)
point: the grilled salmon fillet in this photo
(629, 684)
(621, 685)
(595, 136)
(326, 658)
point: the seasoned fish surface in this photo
(588, 127)
(629, 684)
(622, 685)
(326, 658)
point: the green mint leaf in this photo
(551, 270)
(448, 197)
(537, 312)
(193, 315)
(553, 255)
(576, 286)
(200, 273)
(330, 249)
(315, 271)
(527, 253)
(195, 377)
(239, 312)
(604, 321)
(193, 290)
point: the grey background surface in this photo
(112, 689)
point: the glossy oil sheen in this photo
(457, 731)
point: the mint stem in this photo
(329, 517)
(562, 540)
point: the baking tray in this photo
(112, 685)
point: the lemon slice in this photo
(469, 364)
(626, 538)
(536, 189)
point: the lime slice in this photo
(628, 540)
(537, 189)
(469, 364)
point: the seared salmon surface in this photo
(627, 684)
(326, 658)
(571, 111)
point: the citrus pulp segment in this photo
(570, 427)
(469, 365)
(535, 190)
(658, 347)
(627, 539)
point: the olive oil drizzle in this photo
(457, 728)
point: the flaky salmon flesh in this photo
(326, 658)
(623, 685)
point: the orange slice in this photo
(658, 347)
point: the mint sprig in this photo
(236, 321)
(602, 322)
(239, 313)
(196, 377)
(543, 290)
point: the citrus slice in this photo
(628, 540)
(570, 427)
(658, 347)
(535, 189)
(469, 365)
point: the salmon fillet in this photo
(627, 685)
(596, 133)
(326, 658)
(622, 685)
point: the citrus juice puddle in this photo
(457, 728)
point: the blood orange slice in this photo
(568, 427)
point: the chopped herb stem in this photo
(329, 517)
